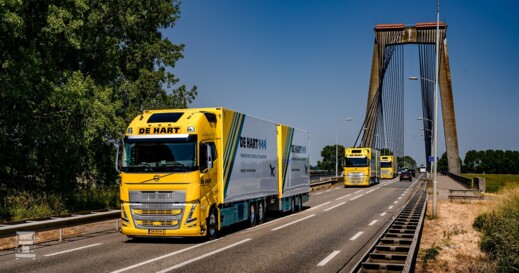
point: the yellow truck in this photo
(387, 167)
(361, 167)
(191, 172)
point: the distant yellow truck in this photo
(387, 167)
(191, 172)
(361, 167)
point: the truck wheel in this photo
(293, 204)
(299, 203)
(212, 224)
(261, 212)
(252, 214)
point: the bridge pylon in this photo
(386, 80)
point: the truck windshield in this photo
(356, 161)
(159, 156)
(385, 164)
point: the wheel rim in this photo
(252, 215)
(212, 225)
(261, 213)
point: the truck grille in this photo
(356, 177)
(150, 211)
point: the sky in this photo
(307, 64)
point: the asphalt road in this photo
(329, 235)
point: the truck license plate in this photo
(157, 231)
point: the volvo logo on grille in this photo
(156, 178)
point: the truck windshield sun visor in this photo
(165, 117)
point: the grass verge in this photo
(449, 242)
(496, 182)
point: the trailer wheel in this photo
(212, 224)
(293, 204)
(261, 212)
(252, 214)
(299, 206)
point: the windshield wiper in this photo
(144, 165)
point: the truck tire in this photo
(293, 204)
(261, 212)
(299, 203)
(252, 214)
(212, 224)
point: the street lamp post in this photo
(435, 118)
(337, 146)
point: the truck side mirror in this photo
(117, 145)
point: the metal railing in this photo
(69, 220)
(57, 222)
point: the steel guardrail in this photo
(397, 247)
(57, 222)
(9, 229)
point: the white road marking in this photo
(70, 250)
(399, 198)
(204, 256)
(329, 258)
(343, 197)
(328, 191)
(330, 208)
(390, 207)
(395, 202)
(358, 191)
(383, 214)
(163, 256)
(373, 222)
(371, 191)
(319, 205)
(291, 223)
(266, 224)
(317, 193)
(356, 236)
(356, 197)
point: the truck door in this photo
(208, 175)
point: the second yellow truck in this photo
(361, 167)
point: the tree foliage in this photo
(406, 161)
(328, 154)
(386, 151)
(73, 74)
(491, 161)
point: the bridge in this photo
(335, 228)
(384, 118)
(331, 234)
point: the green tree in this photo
(406, 162)
(73, 74)
(443, 163)
(328, 155)
(386, 151)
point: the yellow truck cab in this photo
(361, 167)
(387, 167)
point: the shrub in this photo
(23, 205)
(500, 230)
